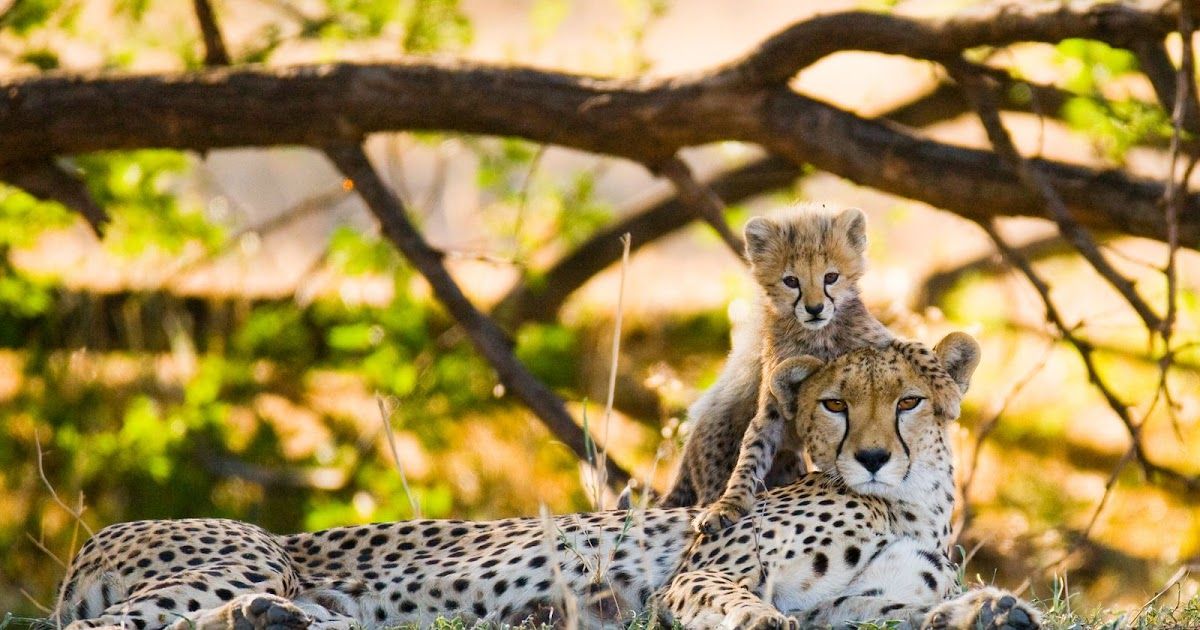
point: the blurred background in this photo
(235, 343)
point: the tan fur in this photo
(806, 243)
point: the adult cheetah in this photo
(864, 540)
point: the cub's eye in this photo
(908, 403)
(836, 405)
(792, 282)
(831, 277)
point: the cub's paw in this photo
(722, 514)
(984, 609)
(269, 612)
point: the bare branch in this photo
(781, 56)
(983, 99)
(215, 53)
(1155, 63)
(1190, 484)
(45, 179)
(489, 339)
(1183, 118)
(704, 202)
(645, 120)
(656, 218)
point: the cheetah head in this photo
(808, 261)
(877, 417)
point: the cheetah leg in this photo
(759, 445)
(709, 599)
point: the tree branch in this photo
(657, 218)
(45, 179)
(781, 56)
(645, 121)
(485, 334)
(541, 301)
(215, 53)
(705, 204)
(982, 97)
(1190, 484)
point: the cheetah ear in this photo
(761, 234)
(786, 380)
(853, 223)
(959, 354)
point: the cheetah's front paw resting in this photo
(983, 609)
(267, 612)
(722, 514)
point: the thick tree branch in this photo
(489, 339)
(781, 56)
(644, 121)
(541, 301)
(45, 179)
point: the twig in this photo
(616, 355)
(704, 202)
(487, 337)
(37, 543)
(215, 53)
(1179, 575)
(983, 99)
(386, 419)
(1177, 190)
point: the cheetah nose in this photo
(872, 458)
(814, 309)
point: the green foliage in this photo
(1114, 125)
(142, 192)
(23, 16)
(433, 25)
(23, 217)
(551, 352)
(355, 254)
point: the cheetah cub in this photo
(807, 263)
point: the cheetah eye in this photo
(836, 405)
(831, 277)
(908, 403)
(792, 282)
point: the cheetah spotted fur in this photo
(833, 548)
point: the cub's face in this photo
(808, 262)
(877, 415)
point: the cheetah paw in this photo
(721, 515)
(984, 609)
(269, 612)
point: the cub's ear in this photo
(786, 380)
(761, 234)
(959, 354)
(853, 223)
